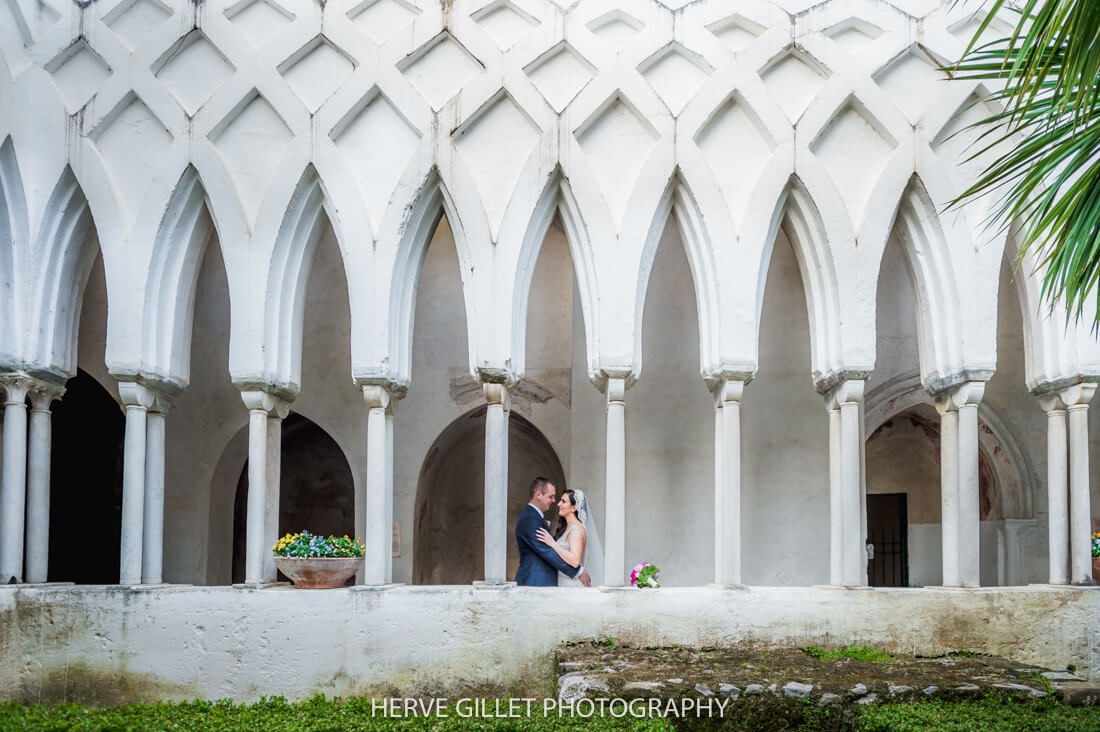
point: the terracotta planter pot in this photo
(318, 573)
(1096, 570)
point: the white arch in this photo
(14, 232)
(433, 204)
(287, 277)
(66, 260)
(178, 251)
(797, 211)
(939, 326)
(556, 198)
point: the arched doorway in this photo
(449, 539)
(86, 484)
(316, 488)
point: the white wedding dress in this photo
(563, 542)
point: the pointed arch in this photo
(288, 274)
(66, 255)
(939, 329)
(645, 266)
(704, 273)
(556, 199)
(178, 250)
(1049, 340)
(433, 203)
(13, 235)
(797, 213)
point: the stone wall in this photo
(109, 645)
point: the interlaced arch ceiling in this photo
(502, 113)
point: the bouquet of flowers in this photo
(305, 544)
(1096, 544)
(645, 575)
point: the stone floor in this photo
(605, 668)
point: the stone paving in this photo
(601, 669)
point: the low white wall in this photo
(109, 645)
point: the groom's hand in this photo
(585, 578)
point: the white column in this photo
(1057, 489)
(615, 471)
(959, 491)
(719, 492)
(1077, 400)
(836, 533)
(377, 532)
(389, 487)
(152, 553)
(729, 518)
(969, 395)
(848, 397)
(261, 522)
(38, 482)
(137, 400)
(13, 483)
(949, 490)
(498, 398)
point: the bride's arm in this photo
(571, 556)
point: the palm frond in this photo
(1043, 142)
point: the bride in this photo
(572, 537)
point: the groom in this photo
(539, 564)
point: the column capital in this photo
(826, 383)
(16, 385)
(491, 375)
(377, 396)
(262, 401)
(1078, 396)
(615, 388)
(849, 391)
(966, 394)
(43, 395)
(1051, 402)
(134, 394)
(498, 394)
(713, 379)
(728, 390)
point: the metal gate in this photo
(887, 532)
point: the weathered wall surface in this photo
(113, 645)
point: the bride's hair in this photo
(561, 519)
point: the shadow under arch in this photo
(86, 484)
(316, 486)
(448, 535)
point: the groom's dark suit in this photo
(538, 564)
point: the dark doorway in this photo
(316, 489)
(888, 532)
(86, 485)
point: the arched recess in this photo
(939, 329)
(448, 534)
(66, 254)
(178, 250)
(86, 484)
(430, 208)
(316, 488)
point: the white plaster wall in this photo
(243, 644)
(784, 443)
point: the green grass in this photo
(991, 714)
(859, 653)
(763, 714)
